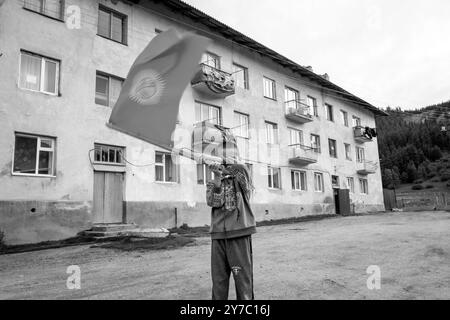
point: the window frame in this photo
(118, 149)
(163, 165)
(44, 60)
(356, 121)
(344, 116)
(270, 173)
(351, 185)
(334, 142)
(348, 155)
(303, 187)
(317, 149)
(295, 101)
(296, 134)
(118, 14)
(38, 149)
(314, 106)
(322, 185)
(245, 72)
(273, 86)
(337, 179)
(329, 109)
(360, 159)
(215, 57)
(210, 108)
(109, 77)
(43, 12)
(363, 186)
(204, 172)
(275, 134)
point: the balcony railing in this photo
(302, 155)
(213, 81)
(361, 135)
(366, 167)
(298, 112)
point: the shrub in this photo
(417, 187)
(429, 186)
(2, 237)
(444, 179)
(436, 180)
(418, 181)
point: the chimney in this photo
(309, 68)
(326, 76)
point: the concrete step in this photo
(111, 227)
(131, 232)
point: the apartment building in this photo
(62, 169)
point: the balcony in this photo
(212, 81)
(302, 155)
(366, 167)
(298, 112)
(361, 135)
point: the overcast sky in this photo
(388, 52)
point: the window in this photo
(208, 113)
(351, 184)
(241, 132)
(274, 178)
(107, 89)
(363, 186)
(312, 103)
(335, 182)
(240, 75)
(332, 148)
(329, 112)
(356, 121)
(348, 151)
(211, 59)
(344, 116)
(271, 133)
(204, 174)
(269, 88)
(50, 8)
(315, 143)
(34, 155)
(296, 137)
(112, 25)
(360, 157)
(165, 168)
(38, 73)
(298, 179)
(291, 98)
(108, 154)
(318, 182)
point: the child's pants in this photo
(236, 256)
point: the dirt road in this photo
(324, 259)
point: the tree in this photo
(388, 179)
(435, 153)
(422, 171)
(411, 171)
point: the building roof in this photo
(227, 32)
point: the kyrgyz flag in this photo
(148, 104)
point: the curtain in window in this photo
(45, 162)
(115, 87)
(25, 152)
(53, 8)
(35, 5)
(104, 23)
(170, 169)
(30, 72)
(116, 28)
(101, 90)
(50, 76)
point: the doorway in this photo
(108, 197)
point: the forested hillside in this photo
(414, 145)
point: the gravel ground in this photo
(324, 259)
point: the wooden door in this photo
(108, 197)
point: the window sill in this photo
(269, 98)
(122, 43)
(42, 92)
(32, 175)
(167, 183)
(44, 15)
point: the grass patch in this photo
(19, 248)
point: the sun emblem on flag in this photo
(148, 87)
